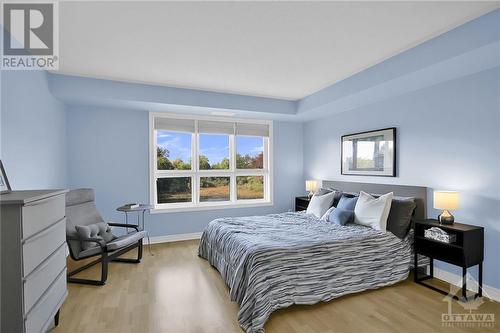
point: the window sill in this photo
(163, 210)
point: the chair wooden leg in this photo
(104, 260)
(139, 251)
(104, 272)
(104, 268)
(56, 318)
(132, 261)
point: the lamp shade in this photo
(311, 185)
(446, 200)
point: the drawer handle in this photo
(43, 232)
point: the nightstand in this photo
(301, 203)
(466, 251)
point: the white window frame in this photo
(195, 173)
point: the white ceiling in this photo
(285, 50)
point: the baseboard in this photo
(175, 238)
(488, 291)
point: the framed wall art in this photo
(371, 153)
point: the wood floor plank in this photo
(176, 291)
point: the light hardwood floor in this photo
(176, 291)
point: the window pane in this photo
(250, 187)
(249, 152)
(173, 150)
(214, 151)
(170, 190)
(214, 189)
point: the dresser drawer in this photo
(42, 277)
(40, 246)
(38, 215)
(37, 319)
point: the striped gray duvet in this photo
(273, 261)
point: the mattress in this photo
(273, 261)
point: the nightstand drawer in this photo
(440, 251)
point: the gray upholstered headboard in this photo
(417, 192)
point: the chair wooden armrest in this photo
(124, 225)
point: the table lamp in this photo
(446, 200)
(311, 186)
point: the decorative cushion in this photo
(343, 212)
(319, 204)
(400, 215)
(99, 230)
(373, 212)
(340, 216)
(347, 203)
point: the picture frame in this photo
(4, 182)
(370, 153)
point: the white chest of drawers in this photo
(33, 254)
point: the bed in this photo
(273, 261)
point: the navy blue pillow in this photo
(341, 216)
(347, 203)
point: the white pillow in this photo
(373, 212)
(320, 204)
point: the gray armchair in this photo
(87, 235)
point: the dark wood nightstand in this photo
(301, 203)
(466, 251)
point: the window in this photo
(250, 187)
(173, 151)
(207, 163)
(213, 152)
(249, 152)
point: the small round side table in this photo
(141, 210)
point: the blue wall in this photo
(108, 151)
(443, 96)
(448, 138)
(33, 135)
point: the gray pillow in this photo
(323, 191)
(336, 196)
(400, 215)
(99, 230)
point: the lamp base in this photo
(446, 218)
